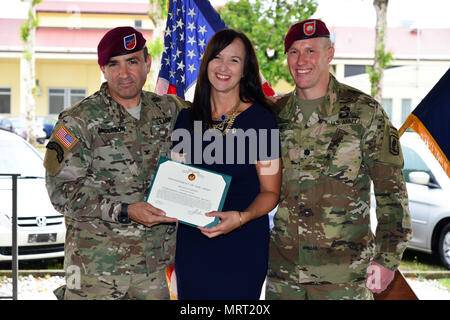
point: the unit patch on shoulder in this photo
(390, 150)
(394, 146)
(59, 150)
(65, 137)
(61, 145)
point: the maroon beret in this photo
(119, 41)
(306, 29)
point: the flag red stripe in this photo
(268, 91)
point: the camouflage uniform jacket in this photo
(109, 158)
(322, 228)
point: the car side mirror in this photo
(419, 177)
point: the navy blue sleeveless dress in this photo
(231, 266)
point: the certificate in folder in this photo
(187, 192)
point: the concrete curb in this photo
(60, 272)
(34, 273)
(426, 274)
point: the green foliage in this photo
(385, 59)
(24, 32)
(445, 283)
(382, 58)
(266, 23)
(31, 23)
(418, 261)
(155, 47)
(160, 11)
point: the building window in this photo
(5, 100)
(62, 98)
(138, 24)
(387, 106)
(353, 70)
(406, 108)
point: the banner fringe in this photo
(415, 124)
(169, 273)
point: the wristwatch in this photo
(123, 215)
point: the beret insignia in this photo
(129, 42)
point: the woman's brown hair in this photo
(250, 87)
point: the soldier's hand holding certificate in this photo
(186, 192)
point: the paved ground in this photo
(41, 288)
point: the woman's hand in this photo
(229, 220)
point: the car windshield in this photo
(46, 120)
(413, 163)
(18, 157)
(18, 122)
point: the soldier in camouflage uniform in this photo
(100, 162)
(335, 141)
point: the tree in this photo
(28, 30)
(158, 14)
(266, 23)
(382, 58)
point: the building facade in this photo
(65, 52)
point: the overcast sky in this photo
(419, 13)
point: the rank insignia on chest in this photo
(344, 112)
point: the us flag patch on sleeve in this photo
(65, 137)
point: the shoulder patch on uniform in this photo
(394, 146)
(59, 150)
(390, 149)
(65, 137)
(61, 144)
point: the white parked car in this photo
(19, 126)
(429, 199)
(41, 229)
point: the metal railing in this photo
(14, 249)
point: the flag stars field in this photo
(190, 25)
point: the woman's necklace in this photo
(227, 120)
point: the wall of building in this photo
(403, 87)
(94, 21)
(80, 74)
(11, 79)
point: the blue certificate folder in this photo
(226, 178)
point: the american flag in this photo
(65, 137)
(190, 25)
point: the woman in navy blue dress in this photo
(229, 260)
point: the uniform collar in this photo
(330, 105)
(327, 108)
(115, 109)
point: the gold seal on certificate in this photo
(186, 192)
